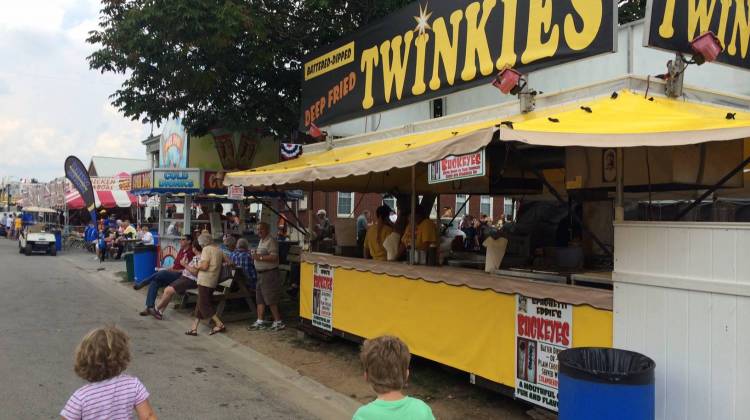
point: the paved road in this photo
(48, 303)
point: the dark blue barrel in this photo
(605, 383)
(144, 261)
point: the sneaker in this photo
(257, 326)
(155, 313)
(277, 326)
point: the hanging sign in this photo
(142, 182)
(322, 299)
(236, 192)
(429, 49)
(453, 168)
(544, 328)
(672, 25)
(173, 145)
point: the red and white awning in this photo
(107, 199)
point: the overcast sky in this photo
(51, 104)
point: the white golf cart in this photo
(37, 237)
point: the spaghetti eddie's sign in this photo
(430, 49)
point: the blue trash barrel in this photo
(605, 383)
(144, 261)
(58, 240)
(155, 234)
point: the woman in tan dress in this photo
(209, 269)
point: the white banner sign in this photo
(454, 168)
(235, 192)
(544, 328)
(322, 299)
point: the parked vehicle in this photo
(36, 238)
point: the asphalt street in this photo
(48, 303)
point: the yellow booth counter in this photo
(490, 326)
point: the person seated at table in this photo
(128, 233)
(426, 232)
(243, 262)
(228, 245)
(188, 280)
(146, 236)
(164, 278)
(376, 234)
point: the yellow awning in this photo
(628, 119)
(363, 159)
(624, 119)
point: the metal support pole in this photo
(620, 189)
(413, 252)
(310, 207)
(713, 189)
(187, 215)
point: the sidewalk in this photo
(334, 365)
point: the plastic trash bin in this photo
(58, 240)
(605, 383)
(144, 261)
(129, 265)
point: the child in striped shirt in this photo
(101, 359)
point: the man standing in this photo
(363, 222)
(268, 289)
(165, 277)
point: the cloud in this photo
(53, 105)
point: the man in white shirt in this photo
(146, 237)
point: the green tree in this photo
(221, 63)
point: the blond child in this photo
(386, 363)
(101, 358)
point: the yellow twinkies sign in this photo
(674, 23)
(429, 49)
(330, 61)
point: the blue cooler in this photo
(605, 383)
(144, 261)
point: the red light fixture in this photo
(315, 132)
(508, 81)
(706, 48)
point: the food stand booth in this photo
(630, 136)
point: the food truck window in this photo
(460, 200)
(345, 204)
(485, 205)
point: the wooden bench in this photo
(224, 292)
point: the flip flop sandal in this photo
(193, 333)
(216, 330)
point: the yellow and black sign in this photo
(430, 49)
(674, 23)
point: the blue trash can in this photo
(605, 383)
(144, 261)
(155, 234)
(58, 240)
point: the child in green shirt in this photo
(386, 363)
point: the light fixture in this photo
(508, 81)
(706, 48)
(315, 132)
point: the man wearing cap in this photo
(323, 227)
(165, 277)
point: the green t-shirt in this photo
(407, 408)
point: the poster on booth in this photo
(453, 168)
(236, 192)
(322, 304)
(544, 328)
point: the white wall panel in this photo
(687, 313)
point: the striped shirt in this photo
(111, 399)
